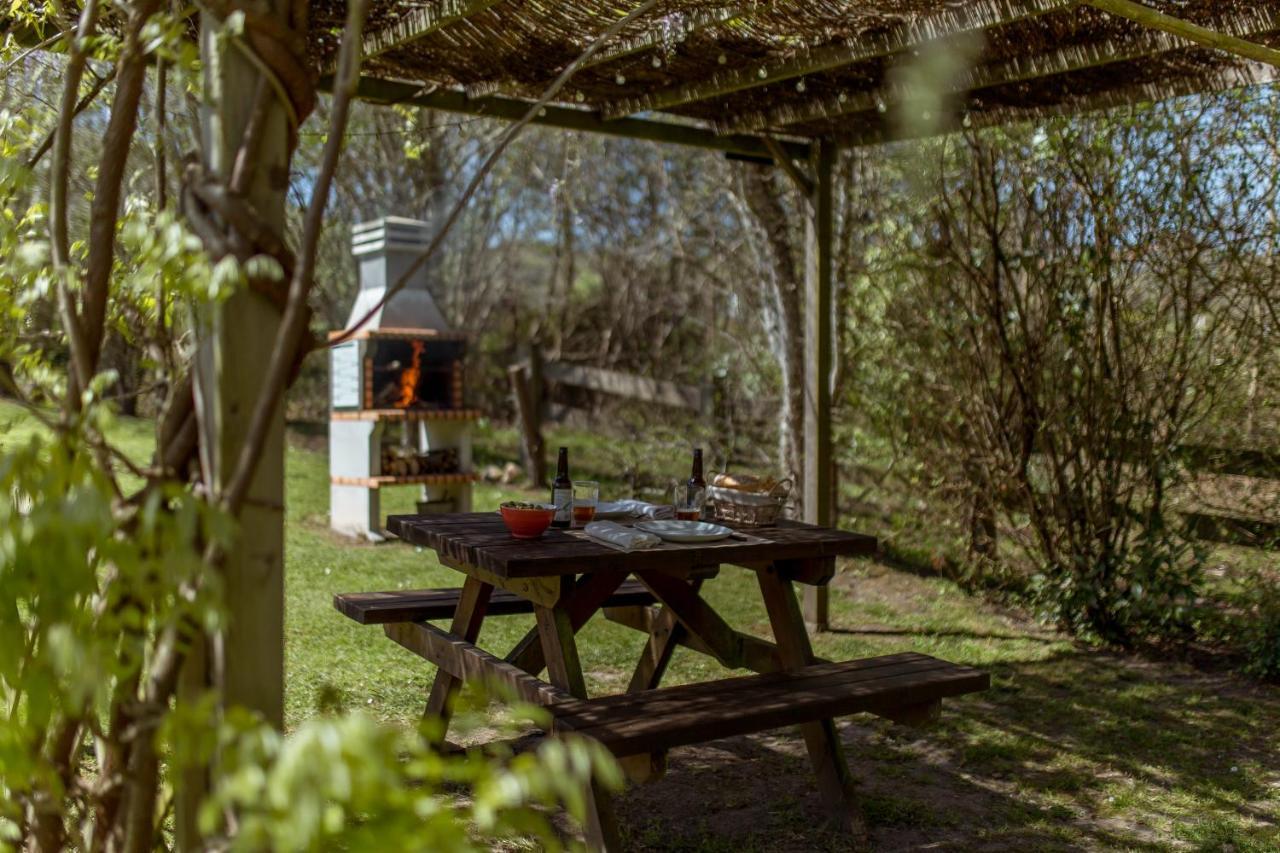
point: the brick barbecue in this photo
(397, 398)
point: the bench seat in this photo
(420, 605)
(656, 720)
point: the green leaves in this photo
(352, 782)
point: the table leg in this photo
(467, 619)
(821, 738)
(585, 599)
(696, 616)
(663, 639)
(560, 649)
(664, 636)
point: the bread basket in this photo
(746, 508)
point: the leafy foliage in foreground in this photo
(84, 589)
(355, 783)
(112, 556)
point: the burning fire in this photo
(409, 378)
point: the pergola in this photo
(783, 82)
(791, 82)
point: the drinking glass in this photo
(689, 502)
(586, 495)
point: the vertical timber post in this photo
(818, 310)
(244, 663)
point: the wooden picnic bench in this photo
(564, 579)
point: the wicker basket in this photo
(748, 509)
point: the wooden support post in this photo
(757, 655)
(452, 653)
(532, 446)
(234, 340)
(819, 307)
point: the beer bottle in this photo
(562, 491)
(695, 478)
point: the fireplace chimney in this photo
(385, 249)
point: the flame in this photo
(409, 378)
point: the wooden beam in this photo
(566, 118)
(555, 627)
(697, 617)
(803, 183)
(1220, 79)
(545, 591)
(1149, 17)
(419, 21)
(628, 385)
(1019, 69)
(818, 362)
(453, 654)
(757, 655)
(954, 20)
(582, 602)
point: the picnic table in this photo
(565, 578)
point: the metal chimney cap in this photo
(390, 233)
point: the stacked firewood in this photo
(401, 461)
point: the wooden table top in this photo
(481, 540)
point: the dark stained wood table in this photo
(568, 577)
(565, 578)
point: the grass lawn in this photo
(1072, 748)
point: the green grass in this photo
(1071, 748)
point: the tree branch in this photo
(105, 210)
(60, 242)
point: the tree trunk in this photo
(784, 319)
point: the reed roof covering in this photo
(836, 69)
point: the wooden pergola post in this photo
(245, 662)
(818, 361)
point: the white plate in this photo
(684, 531)
(609, 509)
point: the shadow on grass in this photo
(1079, 749)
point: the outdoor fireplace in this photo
(398, 413)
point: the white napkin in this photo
(620, 538)
(641, 509)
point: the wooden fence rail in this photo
(1212, 525)
(532, 376)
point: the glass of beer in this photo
(586, 495)
(689, 502)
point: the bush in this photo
(1247, 623)
(1053, 340)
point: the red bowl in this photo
(527, 523)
